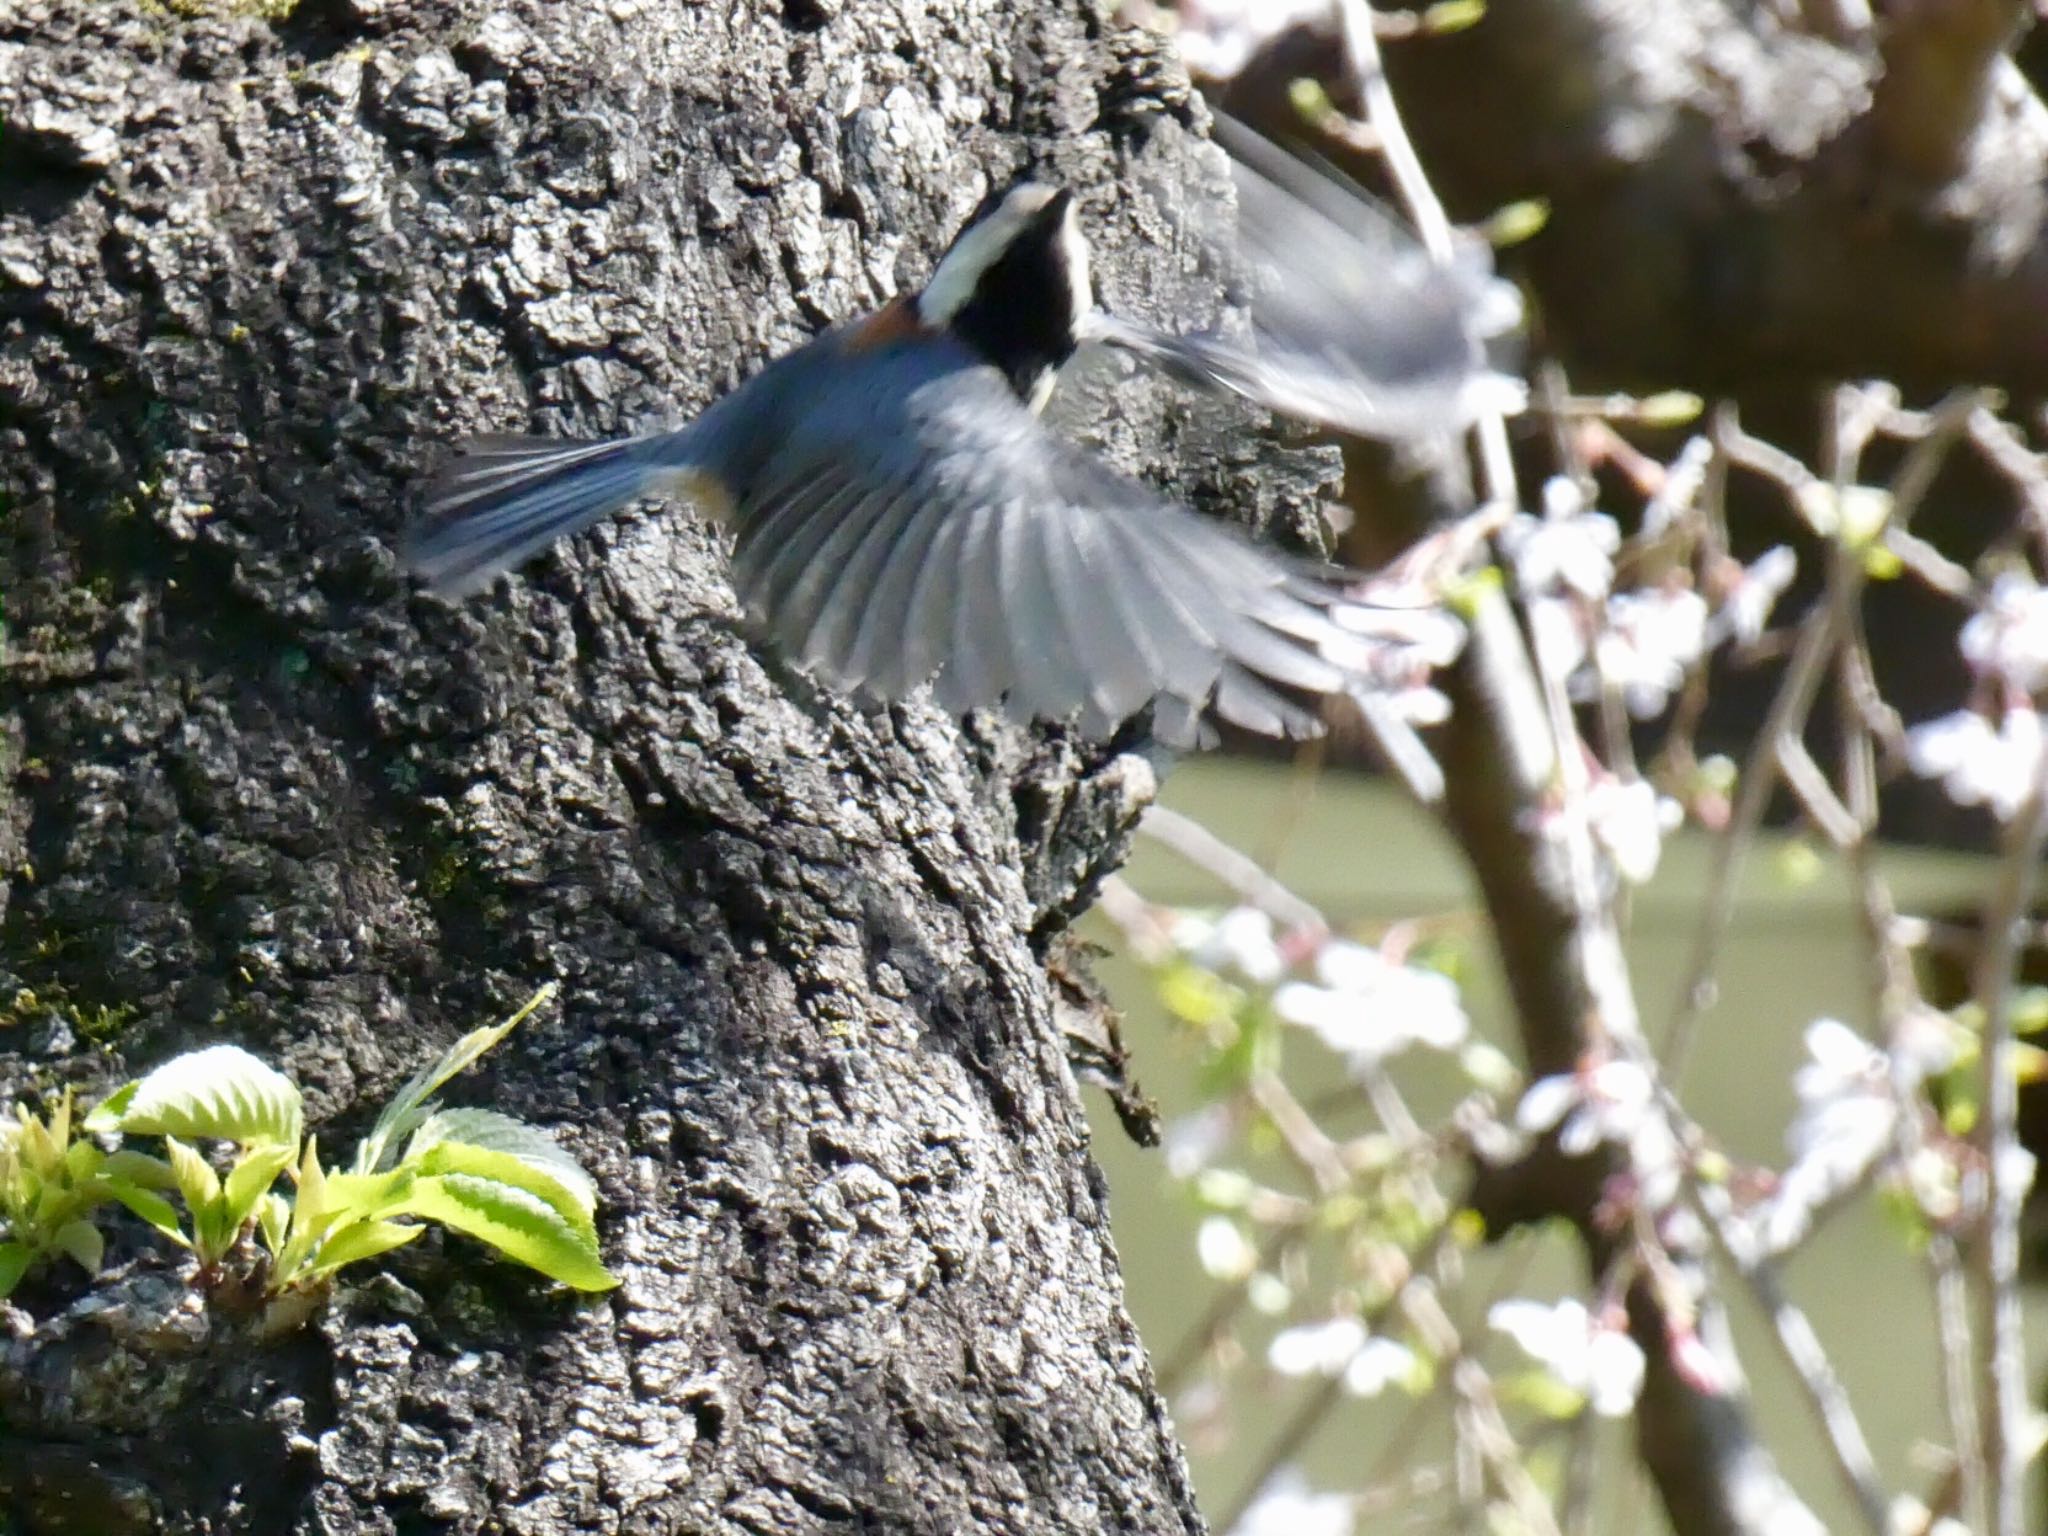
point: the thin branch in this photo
(1785, 721)
(1243, 874)
(1508, 749)
(2002, 1339)
(1803, 1352)
(1825, 628)
(1952, 1321)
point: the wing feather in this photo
(939, 532)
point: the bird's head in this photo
(1014, 285)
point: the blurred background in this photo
(1651, 1028)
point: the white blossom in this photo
(1191, 1142)
(1629, 820)
(1341, 1347)
(1609, 1102)
(1747, 607)
(1370, 1008)
(2016, 1169)
(2008, 637)
(1844, 1124)
(1223, 1249)
(1558, 631)
(1241, 940)
(1286, 1507)
(1377, 1366)
(1651, 639)
(1600, 1363)
(1568, 549)
(1316, 1349)
(1977, 765)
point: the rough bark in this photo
(252, 267)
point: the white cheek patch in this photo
(975, 250)
(1074, 247)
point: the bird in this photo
(901, 514)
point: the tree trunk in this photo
(254, 266)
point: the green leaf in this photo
(250, 1180)
(366, 1196)
(82, 1162)
(221, 1092)
(197, 1181)
(309, 1217)
(2029, 1010)
(493, 1132)
(106, 1115)
(1448, 16)
(212, 1232)
(273, 1220)
(1542, 1392)
(139, 1169)
(517, 1223)
(352, 1244)
(152, 1208)
(455, 1157)
(408, 1107)
(1199, 996)
(82, 1241)
(14, 1262)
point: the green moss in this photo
(192, 10)
(445, 873)
(99, 1023)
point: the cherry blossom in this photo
(1192, 1142)
(1568, 549)
(2008, 637)
(1977, 765)
(1594, 1358)
(1610, 1102)
(1846, 1120)
(1241, 940)
(1746, 606)
(1369, 1008)
(1651, 640)
(1341, 1346)
(1223, 1249)
(1629, 819)
(1286, 1507)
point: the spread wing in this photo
(1352, 324)
(937, 531)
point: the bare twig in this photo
(1243, 874)
(2002, 1341)
(1802, 1350)
(1951, 1312)
(1826, 626)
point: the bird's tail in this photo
(498, 500)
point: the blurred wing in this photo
(965, 545)
(1352, 324)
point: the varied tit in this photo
(901, 515)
